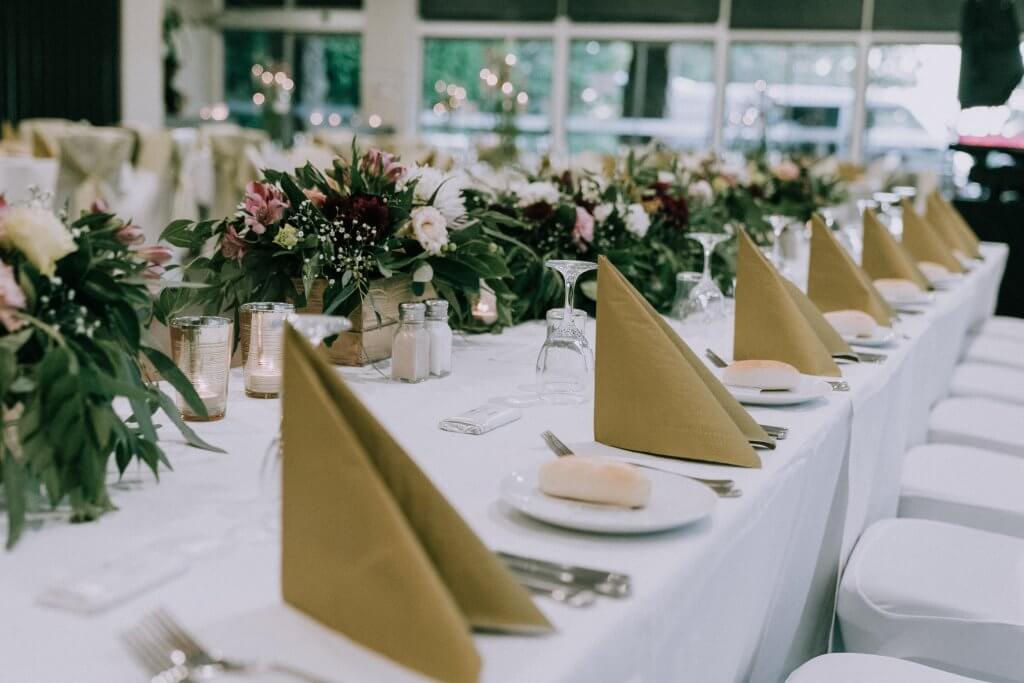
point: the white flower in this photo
(701, 190)
(448, 189)
(666, 177)
(38, 234)
(602, 211)
(637, 220)
(430, 229)
(537, 192)
(425, 273)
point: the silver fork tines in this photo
(838, 385)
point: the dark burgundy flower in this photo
(366, 209)
(675, 208)
(541, 211)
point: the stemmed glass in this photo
(706, 298)
(892, 214)
(778, 224)
(566, 358)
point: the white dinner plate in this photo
(809, 389)
(946, 281)
(882, 336)
(675, 501)
(920, 299)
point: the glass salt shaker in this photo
(410, 349)
(440, 337)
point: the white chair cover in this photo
(185, 204)
(149, 190)
(1005, 327)
(996, 382)
(942, 595)
(995, 351)
(963, 485)
(857, 668)
(43, 135)
(91, 164)
(18, 174)
(979, 422)
(232, 169)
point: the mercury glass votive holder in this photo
(201, 348)
(262, 338)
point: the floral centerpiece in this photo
(73, 304)
(353, 225)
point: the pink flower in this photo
(315, 196)
(11, 299)
(154, 272)
(99, 206)
(233, 246)
(130, 234)
(264, 205)
(3, 204)
(155, 254)
(382, 163)
(786, 171)
(583, 230)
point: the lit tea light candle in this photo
(485, 309)
(262, 382)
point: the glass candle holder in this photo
(262, 336)
(201, 348)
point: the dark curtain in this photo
(990, 63)
(60, 58)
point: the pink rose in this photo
(786, 171)
(382, 163)
(316, 197)
(583, 230)
(130, 234)
(264, 205)
(12, 299)
(233, 246)
(155, 254)
(99, 206)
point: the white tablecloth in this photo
(18, 174)
(744, 595)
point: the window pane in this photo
(911, 102)
(808, 14)
(324, 80)
(474, 10)
(623, 93)
(795, 97)
(694, 11)
(917, 15)
(486, 91)
(231, 4)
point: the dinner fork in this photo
(725, 488)
(173, 655)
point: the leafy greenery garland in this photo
(77, 349)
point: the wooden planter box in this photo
(370, 338)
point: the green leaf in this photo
(193, 439)
(176, 378)
(14, 490)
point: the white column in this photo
(390, 61)
(142, 73)
(721, 74)
(560, 89)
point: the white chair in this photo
(997, 382)
(995, 350)
(1005, 327)
(966, 486)
(857, 668)
(979, 422)
(938, 594)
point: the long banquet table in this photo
(744, 595)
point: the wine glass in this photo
(570, 271)
(892, 214)
(706, 299)
(685, 283)
(778, 224)
(566, 360)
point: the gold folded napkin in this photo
(884, 257)
(370, 548)
(776, 321)
(835, 282)
(923, 241)
(968, 238)
(652, 394)
(936, 217)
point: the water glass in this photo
(566, 360)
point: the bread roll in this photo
(761, 374)
(852, 323)
(897, 289)
(595, 480)
(935, 272)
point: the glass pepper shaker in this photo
(440, 337)
(410, 349)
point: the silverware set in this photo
(565, 583)
(837, 385)
(724, 488)
(172, 655)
